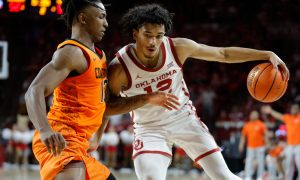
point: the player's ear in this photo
(134, 34)
(81, 18)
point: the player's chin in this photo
(99, 38)
(151, 54)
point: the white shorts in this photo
(185, 129)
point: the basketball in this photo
(265, 84)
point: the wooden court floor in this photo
(25, 174)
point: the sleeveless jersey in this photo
(167, 77)
(79, 101)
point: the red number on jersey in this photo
(161, 86)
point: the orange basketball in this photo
(265, 84)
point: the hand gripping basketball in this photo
(266, 83)
(277, 62)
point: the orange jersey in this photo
(79, 100)
(293, 128)
(276, 151)
(77, 110)
(254, 131)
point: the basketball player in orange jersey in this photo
(154, 63)
(292, 151)
(255, 132)
(77, 75)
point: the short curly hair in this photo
(137, 16)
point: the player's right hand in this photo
(276, 61)
(54, 141)
(166, 100)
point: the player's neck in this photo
(82, 38)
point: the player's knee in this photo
(73, 171)
(150, 171)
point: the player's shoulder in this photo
(262, 123)
(68, 55)
(115, 67)
(180, 41)
(287, 116)
(118, 78)
(70, 50)
(248, 125)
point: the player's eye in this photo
(102, 16)
(159, 36)
(147, 35)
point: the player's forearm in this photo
(122, 105)
(276, 115)
(36, 107)
(242, 143)
(100, 131)
(238, 54)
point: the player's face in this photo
(295, 109)
(96, 23)
(254, 115)
(148, 39)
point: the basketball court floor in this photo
(25, 174)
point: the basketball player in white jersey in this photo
(154, 63)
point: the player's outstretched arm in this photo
(117, 82)
(268, 110)
(63, 62)
(186, 48)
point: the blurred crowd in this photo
(218, 90)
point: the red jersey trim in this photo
(96, 52)
(174, 52)
(135, 61)
(206, 154)
(99, 52)
(152, 152)
(126, 70)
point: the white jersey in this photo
(166, 77)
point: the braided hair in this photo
(137, 16)
(72, 7)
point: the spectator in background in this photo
(9, 148)
(255, 133)
(111, 142)
(274, 159)
(127, 138)
(208, 96)
(292, 152)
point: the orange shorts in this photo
(76, 149)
